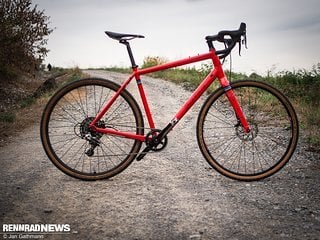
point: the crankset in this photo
(154, 143)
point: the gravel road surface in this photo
(172, 194)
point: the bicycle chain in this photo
(154, 149)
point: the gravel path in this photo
(173, 194)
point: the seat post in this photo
(125, 42)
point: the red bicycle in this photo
(247, 130)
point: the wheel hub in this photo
(85, 129)
(252, 134)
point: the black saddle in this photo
(122, 36)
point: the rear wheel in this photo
(76, 149)
(254, 155)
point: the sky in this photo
(282, 35)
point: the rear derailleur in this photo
(91, 136)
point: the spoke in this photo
(118, 116)
(255, 147)
(77, 140)
(105, 99)
(100, 103)
(70, 115)
(220, 127)
(109, 156)
(117, 113)
(228, 157)
(79, 104)
(217, 136)
(71, 105)
(277, 142)
(237, 150)
(117, 145)
(222, 142)
(66, 126)
(84, 145)
(104, 157)
(263, 157)
(220, 119)
(86, 101)
(94, 97)
(64, 141)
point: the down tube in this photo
(196, 95)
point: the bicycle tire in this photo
(258, 154)
(64, 129)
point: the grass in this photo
(28, 101)
(73, 74)
(8, 117)
(302, 87)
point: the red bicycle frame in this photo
(217, 72)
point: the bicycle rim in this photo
(258, 154)
(64, 129)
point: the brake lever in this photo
(243, 41)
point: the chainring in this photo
(151, 140)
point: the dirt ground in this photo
(172, 194)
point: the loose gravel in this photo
(172, 194)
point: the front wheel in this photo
(261, 152)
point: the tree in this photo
(23, 36)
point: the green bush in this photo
(153, 61)
(24, 34)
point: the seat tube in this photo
(144, 99)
